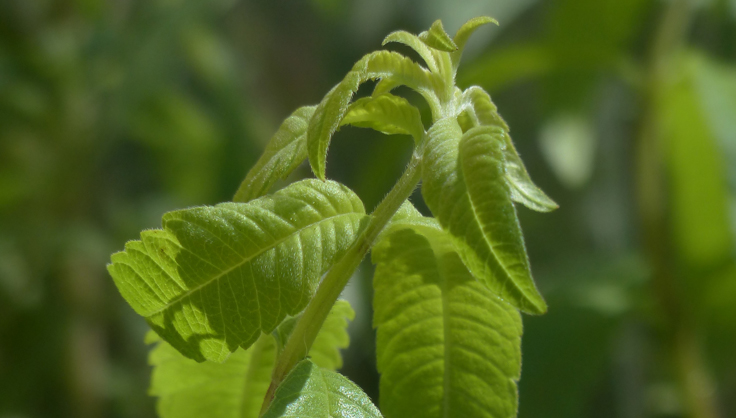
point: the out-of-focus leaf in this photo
(569, 145)
(465, 187)
(283, 154)
(446, 345)
(214, 278)
(310, 391)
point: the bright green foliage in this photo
(465, 187)
(214, 278)
(310, 391)
(236, 387)
(283, 154)
(446, 345)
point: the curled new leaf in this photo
(463, 34)
(523, 190)
(465, 188)
(446, 346)
(437, 38)
(310, 391)
(386, 113)
(377, 65)
(413, 42)
(214, 278)
(283, 154)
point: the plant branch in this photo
(306, 329)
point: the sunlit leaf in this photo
(446, 345)
(214, 278)
(377, 65)
(465, 188)
(283, 154)
(237, 387)
(386, 113)
(310, 391)
(437, 38)
(463, 34)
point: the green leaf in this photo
(310, 391)
(214, 278)
(333, 336)
(235, 388)
(446, 345)
(413, 42)
(283, 154)
(465, 188)
(463, 34)
(437, 38)
(387, 114)
(377, 65)
(523, 190)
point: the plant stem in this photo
(306, 329)
(652, 200)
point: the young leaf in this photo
(333, 336)
(387, 114)
(464, 187)
(437, 38)
(235, 388)
(446, 345)
(463, 34)
(523, 190)
(413, 42)
(283, 154)
(214, 278)
(310, 391)
(380, 64)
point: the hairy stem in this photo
(306, 329)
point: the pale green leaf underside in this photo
(413, 42)
(387, 114)
(377, 65)
(446, 345)
(332, 337)
(310, 391)
(283, 154)
(463, 34)
(214, 278)
(523, 190)
(464, 187)
(237, 387)
(233, 389)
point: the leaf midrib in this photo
(188, 293)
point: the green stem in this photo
(306, 329)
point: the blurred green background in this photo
(113, 112)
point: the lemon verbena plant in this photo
(242, 297)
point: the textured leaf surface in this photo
(235, 388)
(215, 277)
(413, 42)
(377, 65)
(437, 38)
(283, 154)
(333, 336)
(523, 190)
(463, 34)
(386, 113)
(446, 346)
(310, 391)
(464, 187)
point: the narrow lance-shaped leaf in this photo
(283, 154)
(464, 187)
(386, 113)
(446, 346)
(377, 65)
(523, 190)
(310, 391)
(413, 42)
(214, 278)
(235, 388)
(463, 34)
(437, 38)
